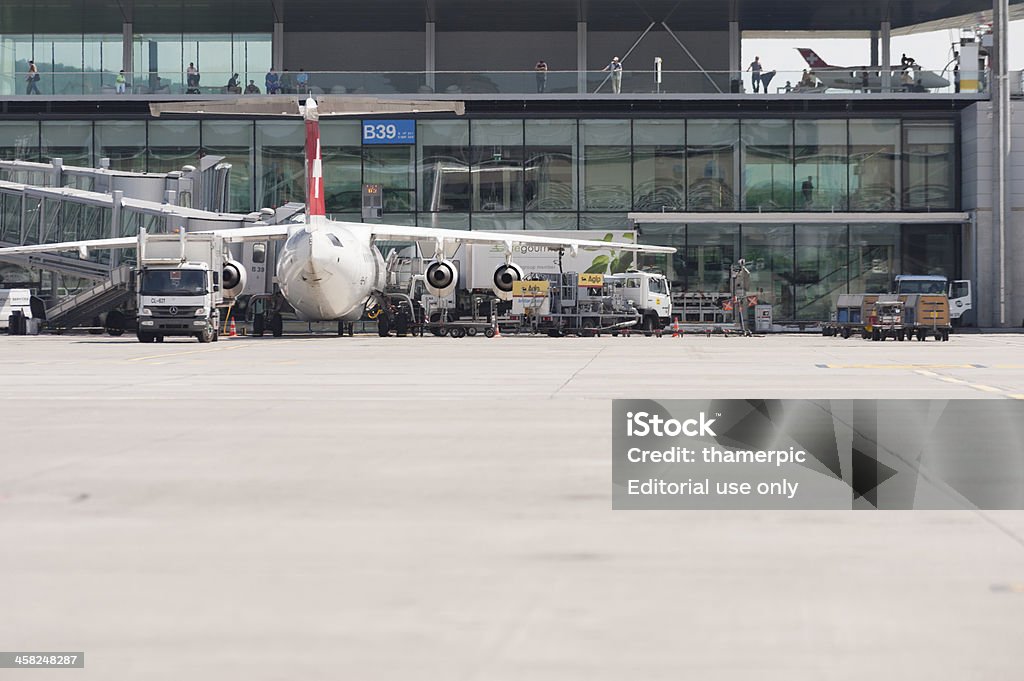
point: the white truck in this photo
(958, 291)
(181, 280)
(14, 300)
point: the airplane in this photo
(330, 270)
(868, 77)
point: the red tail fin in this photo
(812, 58)
(314, 165)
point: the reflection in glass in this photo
(342, 164)
(767, 165)
(710, 164)
(543, 221)
(69, 140)
(19, 141)
(234, 141)
(873, 155)
(874, 257)
(550, 165)
(606, 157)
(280, 163)
(929, 166)
(500, 222)
(444, 175)
(768, 250)
(821, 166)
(124, 143)
(931, 249)
(394, 168)
(496, 158)
(710, 252)
(172, 144)
(659, 165)
(822, 265)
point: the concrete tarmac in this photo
(406, 508)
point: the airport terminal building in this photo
(821, 192)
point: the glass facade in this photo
(513, 173)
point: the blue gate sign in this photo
(389, 132)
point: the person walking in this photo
(755, 69)
(616, 70)
(32, 79)
(542, 75)
(119, 82)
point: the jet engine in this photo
(233, 279)
(504, 277)
(441, 277)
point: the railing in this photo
(483, 82)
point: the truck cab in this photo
(178, 301)
(958, 291)
(649, 293)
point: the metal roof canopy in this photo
(239, 16)
(799, 218)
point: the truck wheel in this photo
(938, 335)
(159, 339)
(489, 333)
(846, 332)
(650, 322)
(145, 337)
(457, 332)
(276, 325)
(206, 335)
(115, 323)
(216, 335)
(876, 335)
(945, 334)
(899, 335)
(471, 331)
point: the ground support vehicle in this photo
(886, 319)
(182, 281)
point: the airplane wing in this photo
(406, 233)
(87, 245)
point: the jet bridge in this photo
(51, 206)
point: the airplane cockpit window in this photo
(333, 238)
(294, 239)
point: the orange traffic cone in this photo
(232, 330)
(675, 329)
(497, 331)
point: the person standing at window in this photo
(119, 82)
(32, 79)
(755, 69)
(616, 70)
(542, 75)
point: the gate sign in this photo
(389, 132)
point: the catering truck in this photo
(182, 280)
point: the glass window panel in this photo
(550, 165)
(767, 165)
(251, 57)
(929, 166)
(69, 140)
(19, 141)
(124, 143)
(444, 174)
(159, 66)
(101, 62)
(10, 229)
(672, 266)
(768, 250)
(931, 249)
(212, 55)
(497, 166)
(822, 267)
(343, 166)
(31, 223)
(498, 222)
(606, 160)
(59, 60)
(234, 141)
(280, 163)
(542, 221)
(444, 220)
(874, 150)
(659, 165)
(15, 53)
(874, 257)
(821, 166)
(710, 252)
(394, 168)
(172, 144)
(710, 164)
(604, 221)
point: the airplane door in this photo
(254, 257)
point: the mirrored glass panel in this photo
(710, 164)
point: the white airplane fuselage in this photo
(853, 78)
(328, 271)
